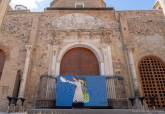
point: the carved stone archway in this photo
(91, 47)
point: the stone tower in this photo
(78, 4)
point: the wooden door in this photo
(79, 62)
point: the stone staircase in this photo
(93, 111)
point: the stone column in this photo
(110, 60)
(133, 72)
(25, 71)
(102, 69)
(29, 49)
(3, 9)
(57, 68)
(50, 57)
(54, 62)
(109, 72)
(162, 3)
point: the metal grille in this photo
(46, 92)
(115, 85)
(152, 72)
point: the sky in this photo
(39, 5)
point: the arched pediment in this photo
(79, 21)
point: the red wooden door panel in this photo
(79, 62)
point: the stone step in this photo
(92, 111)
(3, 104)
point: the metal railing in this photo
(46, 91)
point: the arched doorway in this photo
(152, 76)
(79, 62)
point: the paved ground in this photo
(94, 111)
(89, 111)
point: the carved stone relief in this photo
(79, 21)
(118, 66)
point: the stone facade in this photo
(36, 42)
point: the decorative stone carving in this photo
(79, 21)
(28, 47)
(118, 66)
(57, 36)
(106, 37)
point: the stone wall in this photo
(146, 35)
(55, 30)
(13, 37)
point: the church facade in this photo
(74, 37)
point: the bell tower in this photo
(78, 4)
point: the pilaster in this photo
(3, 9)
(125, 41)
(133, 71)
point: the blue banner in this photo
(88, 90)
(97, 91)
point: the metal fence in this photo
(46, 90)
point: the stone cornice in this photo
(54, 8)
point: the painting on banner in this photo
(90, 91)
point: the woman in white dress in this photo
(78, 100)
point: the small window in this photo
(79, 5)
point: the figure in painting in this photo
(81, 95)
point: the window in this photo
(2, 61)
(79, 5)
(152, 76)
